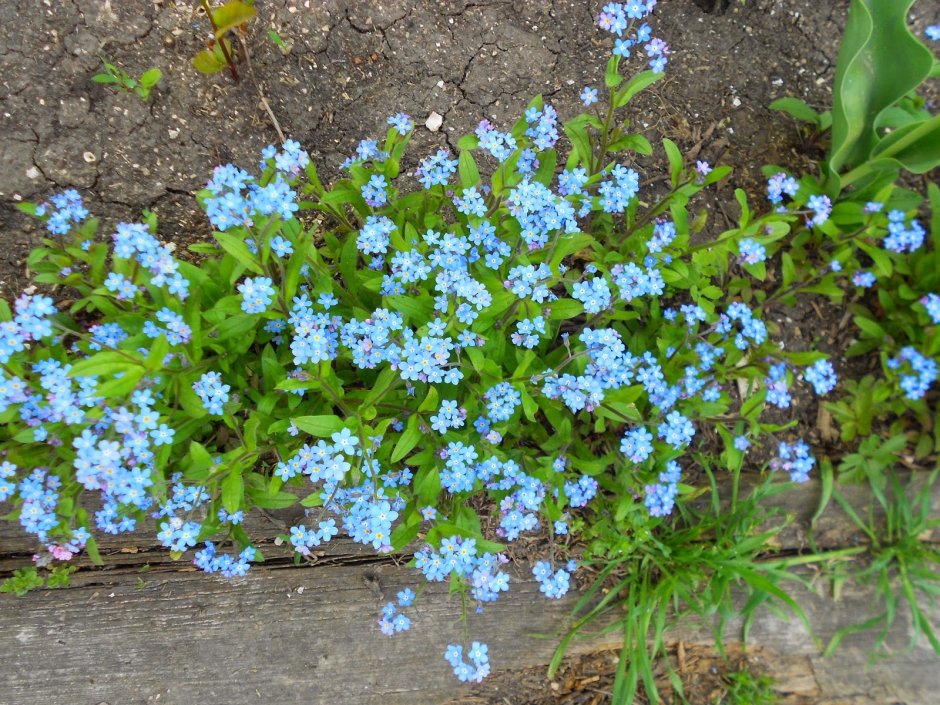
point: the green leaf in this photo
(237, 248)
(265, 500)
(105, 364)
(675, 160)
(798, 109)
(639, 82)
(158, 351)
(870, 327)
(915, 147)
(231, 15)
(880, 61)
(826, 477)
(417, 310)
(319, 426)
(563, 309)
(789, 269)
(467, 169)
(612, 77)
(208, 62)
(468, 142)
(121, 386)
(634, 143)
(150, 78)
(233, 490)
(408, 440)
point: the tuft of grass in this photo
(902, 564)
(689, 566)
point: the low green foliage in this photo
(26, 579)
(745, 688)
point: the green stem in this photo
(221, 40)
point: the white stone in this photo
(434, 122)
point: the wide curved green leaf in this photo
(879, 62)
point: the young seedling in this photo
(119, 78)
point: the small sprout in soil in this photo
(120, 79)
(279, 42)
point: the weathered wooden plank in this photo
(308, 635)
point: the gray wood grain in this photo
(308, 634)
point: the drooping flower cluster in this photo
(554, 585)
(393, 621)
(476, 670)
(795, 459)
(661, 497)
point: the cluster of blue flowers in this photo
(63, 212)
(795, 459)
(393, 621)
(448, 416)
(437, 169)
(499, 144)
(752, 330)
(593, 293)
(932, 303)
(554, 585)
(212, 392)
(751, 251)
(619, 18)
(374, 235)
(476, 670)
(375, 191)
(618, 192)
(257, 294)
(402, 123)
(637, 444)
(661, 497)
(778, 393)
(528, 331)
(228, 565)
(780, 185)
(822, 376)
(236, 198)
(501, 401)
(32, 321)
(459, 556)
(903, 237)
(922, 369)
(116, 450)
